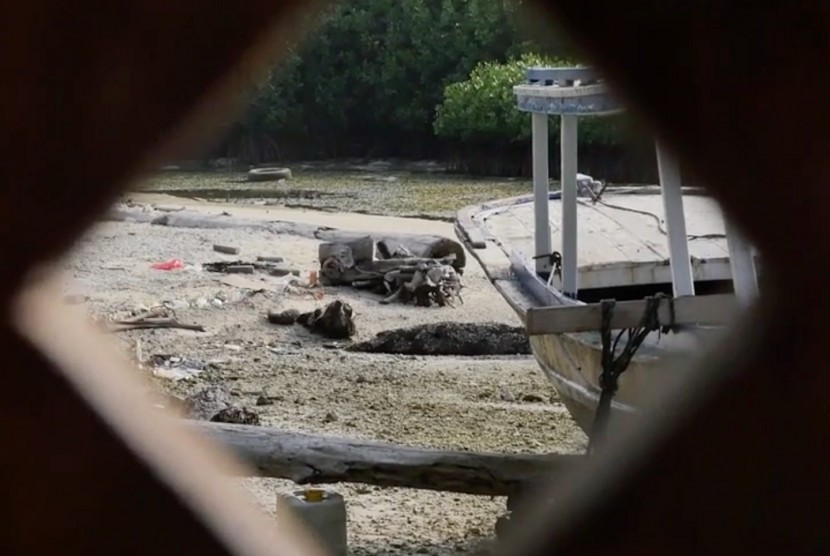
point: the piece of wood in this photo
(701, 309)
(121, 325)
(269, 259)
(313, 459)
(240, 269)
(226, 249)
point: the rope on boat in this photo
(597, 198)
(613, 367)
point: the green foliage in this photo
(405, 78)
(482, 108)
(375, 70)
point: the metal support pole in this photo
(541, 177)
(570, 269)
(742, 264)
(681, 264)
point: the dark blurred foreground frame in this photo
(735, 462)
(93, 94)
(96, 92)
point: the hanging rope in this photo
(613, 367)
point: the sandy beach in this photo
(287, 376)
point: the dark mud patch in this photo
(449, 338)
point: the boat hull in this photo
(572, 362)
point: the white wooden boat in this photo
(622, 255)
(632, 243)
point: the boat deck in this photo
(621, 240)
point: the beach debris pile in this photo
(425, 272)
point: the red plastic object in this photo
(169, 265)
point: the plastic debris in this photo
(169, 265)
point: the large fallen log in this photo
(419, 245)
(311, 459)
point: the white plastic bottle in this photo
(323, 512)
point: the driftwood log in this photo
(425, 274)
(311, 459)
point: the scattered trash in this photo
(264, 400)
(176, 368)
(168, 265)
(226, 249)
(216, 302)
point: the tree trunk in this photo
(310, 459)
